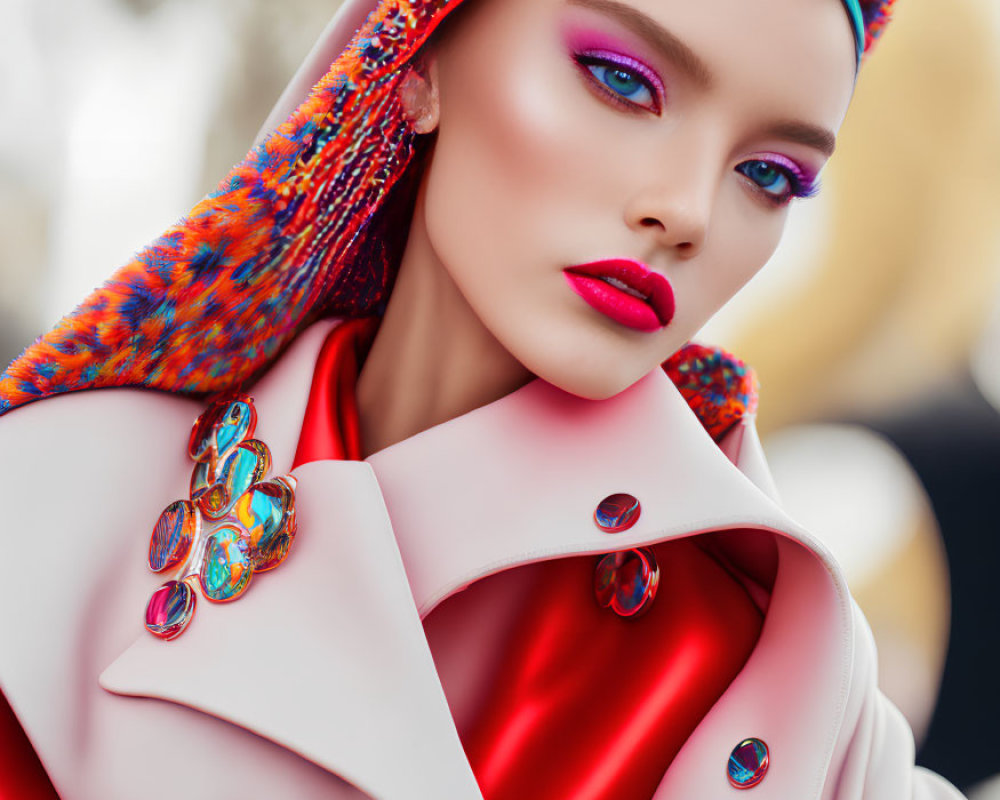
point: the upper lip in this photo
(653, 286)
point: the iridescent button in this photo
(214, 501)
(227, 566)
(267, 511)
(201, 440)
(172, 536)
(246, 465)
(748, 763)
(170, 609)
(224, 425)
(201, 479)
(616, 513)
(626, 582)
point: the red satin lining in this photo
(330, 428)
(589, 706)
(21, 773)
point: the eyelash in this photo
(590, 60)
(800, 182)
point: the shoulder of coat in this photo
(719, 388)
(94, 441)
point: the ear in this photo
(418, 94)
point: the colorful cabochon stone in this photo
(267, 512)
(173, 534)
(170, 609)
(221, 428)
(202, 478)
(617, 512)
(199, 443)
(242, 468)
(748, 763)
(227, 565)
(246, 465)
(626, 582)
(214, 502)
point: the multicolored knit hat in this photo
(309, 225)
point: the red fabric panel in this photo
(590, 706)
(330, 429)
(21, 773)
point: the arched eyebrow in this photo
(678, 53)
(670, 47)
(802, 132)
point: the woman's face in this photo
(589, 149)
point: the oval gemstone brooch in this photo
(235, 523)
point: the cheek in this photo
(517, 150)
(747, 237)
(497, 152)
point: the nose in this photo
(674, 209)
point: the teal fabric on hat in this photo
(858, 24)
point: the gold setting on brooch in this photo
(236, 522)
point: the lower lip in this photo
(617, 305)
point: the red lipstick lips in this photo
(626, 291)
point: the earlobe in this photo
(418, 93)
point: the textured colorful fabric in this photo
(719, 388)
(868, 20)
(876, 15)
(310, 224)
(291, 234)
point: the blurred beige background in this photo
(116, 116)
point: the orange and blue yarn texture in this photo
(719, 388)
(876, 16)
(278, 244)
(292, 234)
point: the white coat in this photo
(321, 682)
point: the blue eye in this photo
(624, 84)
(621, 81)
(779, 178)
(769, 177)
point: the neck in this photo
(432, 358)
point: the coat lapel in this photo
(518, 481)
(327, 656)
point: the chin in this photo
(584, 360)
(585, 378)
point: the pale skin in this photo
(545, 159)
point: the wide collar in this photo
(382, 543)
